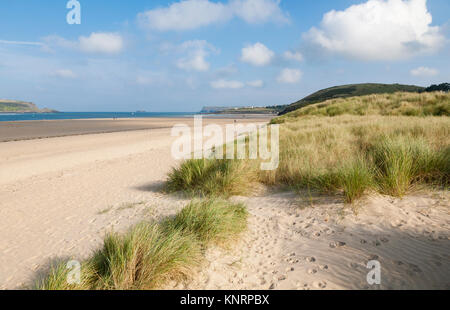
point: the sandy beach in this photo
(60, 195)
(28, 130)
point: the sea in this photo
(9, 117)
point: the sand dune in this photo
(293, 245)
(59, 196)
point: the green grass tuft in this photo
(211, 221)
(150, 254)
(212, 178)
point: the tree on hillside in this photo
(441, 87)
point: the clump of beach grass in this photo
(151, 253)
(211, 221)
(402, 161)
(213, 177)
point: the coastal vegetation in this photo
(401, 103)
(150, 254)
(351, 90)
(213, 177)
(389, 143)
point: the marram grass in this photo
(213, 178)
(397, 104)
(353, 155)
(150, 254)
(348, 155)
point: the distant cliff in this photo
(15, 106)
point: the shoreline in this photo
(42, 129)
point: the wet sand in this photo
(28, 130)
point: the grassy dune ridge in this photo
(373, 144)
(351, 90)
(400, 103)
(149, 254)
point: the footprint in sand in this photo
(415, 268)
(282, 278)
(290, 269)
(312, 271)
(321, 284)
(337, 244)
(310, 259)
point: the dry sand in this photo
(59, 196)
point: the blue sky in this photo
(182, 55)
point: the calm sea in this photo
(8, 117)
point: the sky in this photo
(178, 56)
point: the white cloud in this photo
(225, 84)
(97, 42)
(185, 15)
(257, 55)
(257, 83)
(297, 56)
(195, 62)
(289, 76)
(64, 73)
(197, 51)
(424, 71)
(193, 14)
(378, 30)
(259, 11)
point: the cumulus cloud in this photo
(197, 51)
(227, 84)
(256, 84)
(96, 42)
(424, 72)
(193, 14)
(64, 73)
(289, 76)
(297, 56)
(378, 30)
(257, 55)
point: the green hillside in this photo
(397, 104)
(350, 90)
(15, 106)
